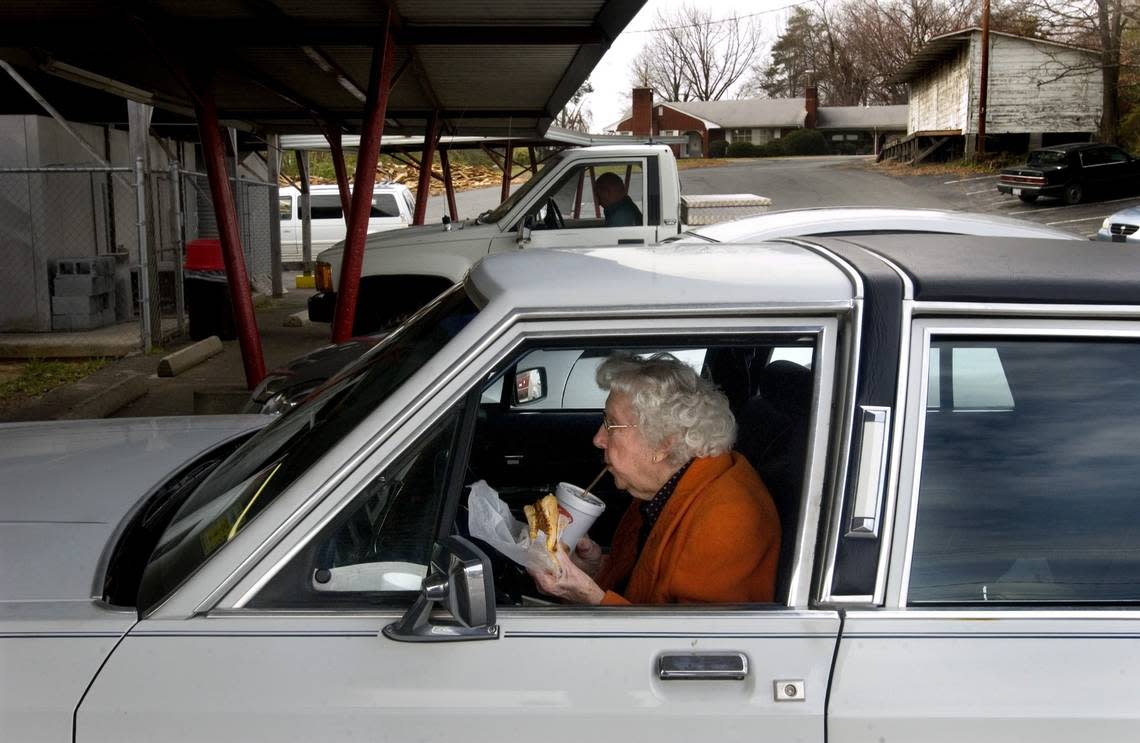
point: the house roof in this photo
(941, 47)
(862, 117)
(774, 112)
(495, 67)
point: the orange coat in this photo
(716, 541)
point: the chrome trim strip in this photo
(1092, 614)
(1121, 311)
(513, 323)
(811, 493)
(842, 443)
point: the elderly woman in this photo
(701, 527)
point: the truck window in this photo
(1027, 491)
(578, 203)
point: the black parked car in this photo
(1072, 172)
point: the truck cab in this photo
(560, 207)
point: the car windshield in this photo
(1046, 157)
(248, 481)
(500, 211)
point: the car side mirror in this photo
(530, 385)
(459, 580)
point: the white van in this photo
(392, 208)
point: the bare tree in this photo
(692, 56)
(576, 114)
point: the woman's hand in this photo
(588, 556)
(573, 585)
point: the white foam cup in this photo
(582, 508)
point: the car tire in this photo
(1074, 193)
(1028, 198)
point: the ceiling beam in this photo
(276, 32)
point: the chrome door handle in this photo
(716, 666)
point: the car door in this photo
(273, 654)
(1011, 605)
(290, 227)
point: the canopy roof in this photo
(491, 67)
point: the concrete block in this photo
(69, 323)
(297, 319)
(93, 304)
(82, 285)
(175, 363)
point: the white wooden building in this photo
(1037, 88)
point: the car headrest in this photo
(786, 385)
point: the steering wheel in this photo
(553, 218)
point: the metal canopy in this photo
(490, 67)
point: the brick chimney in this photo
(811, 103)
(642, 121)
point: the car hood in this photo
(420, 236)
(1131, 215)
(68, 485)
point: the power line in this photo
(718, 21)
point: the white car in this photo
(950, 445)
(867, 220)
(1121, 227)
(393, 207)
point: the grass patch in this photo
(989, 166)
(689, 163)
(40, 376)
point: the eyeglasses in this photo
(611, 426)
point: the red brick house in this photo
(848, 129)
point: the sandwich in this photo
(544, 516)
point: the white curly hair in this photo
(672, 402)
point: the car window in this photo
(1113, 155)
(377, 548)
(1046, 157)
(285, 207)
(1028, 475)
(382, 543)
(384, 205)
(1096, 156)
(575, 199)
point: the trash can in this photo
(206, 291)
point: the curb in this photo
(175, 363)
(98, 396)
(297, 319)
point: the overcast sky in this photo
(612, 79)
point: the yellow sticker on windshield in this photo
(216, 534)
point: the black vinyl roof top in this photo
(958, 268)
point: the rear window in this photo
(1028, 490)
(1047, 157)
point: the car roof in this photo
(809, 272)
(1070, 146)
(321, 188)
(863, 219)
(660, 275)
(963, 268)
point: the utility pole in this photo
(984, 83)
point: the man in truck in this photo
(619, 208)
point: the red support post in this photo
(423, 189)
(578, 195)
(332, 134)
(213, 150)
(594, 193)
(376, 106)
(448, 185)
(508, 170)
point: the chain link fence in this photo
(90, 222)
(253, 201)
